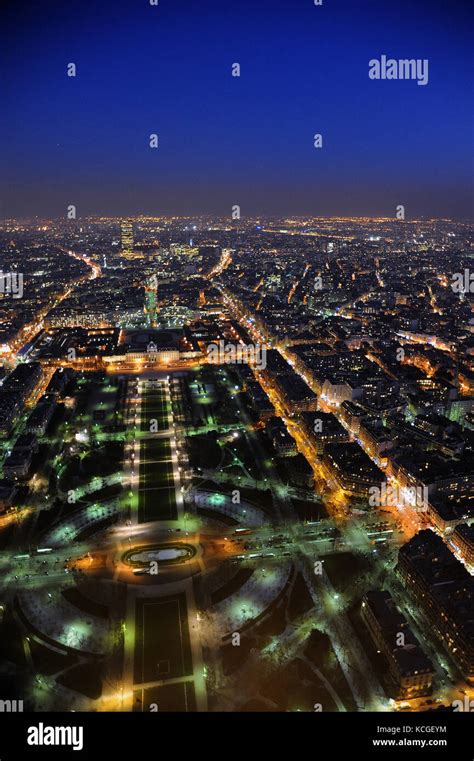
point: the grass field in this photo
(168, 697)
(157, 505)
(162, 645)
(156, 492)
(154, 407)
(157, 449)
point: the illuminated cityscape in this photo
(242, 478)
(237, 375)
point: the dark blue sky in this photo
(224, 140)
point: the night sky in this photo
(225, 140)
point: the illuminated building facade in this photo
(410, 671)
(126, 238)
(444, 590)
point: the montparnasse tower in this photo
(126, 238)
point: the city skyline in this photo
(237, 459)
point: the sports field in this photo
(162, 645)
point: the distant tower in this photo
(150, 301)
(105, 262)
(126, 238)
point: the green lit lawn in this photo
(162, 649)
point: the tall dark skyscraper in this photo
(126, 238)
